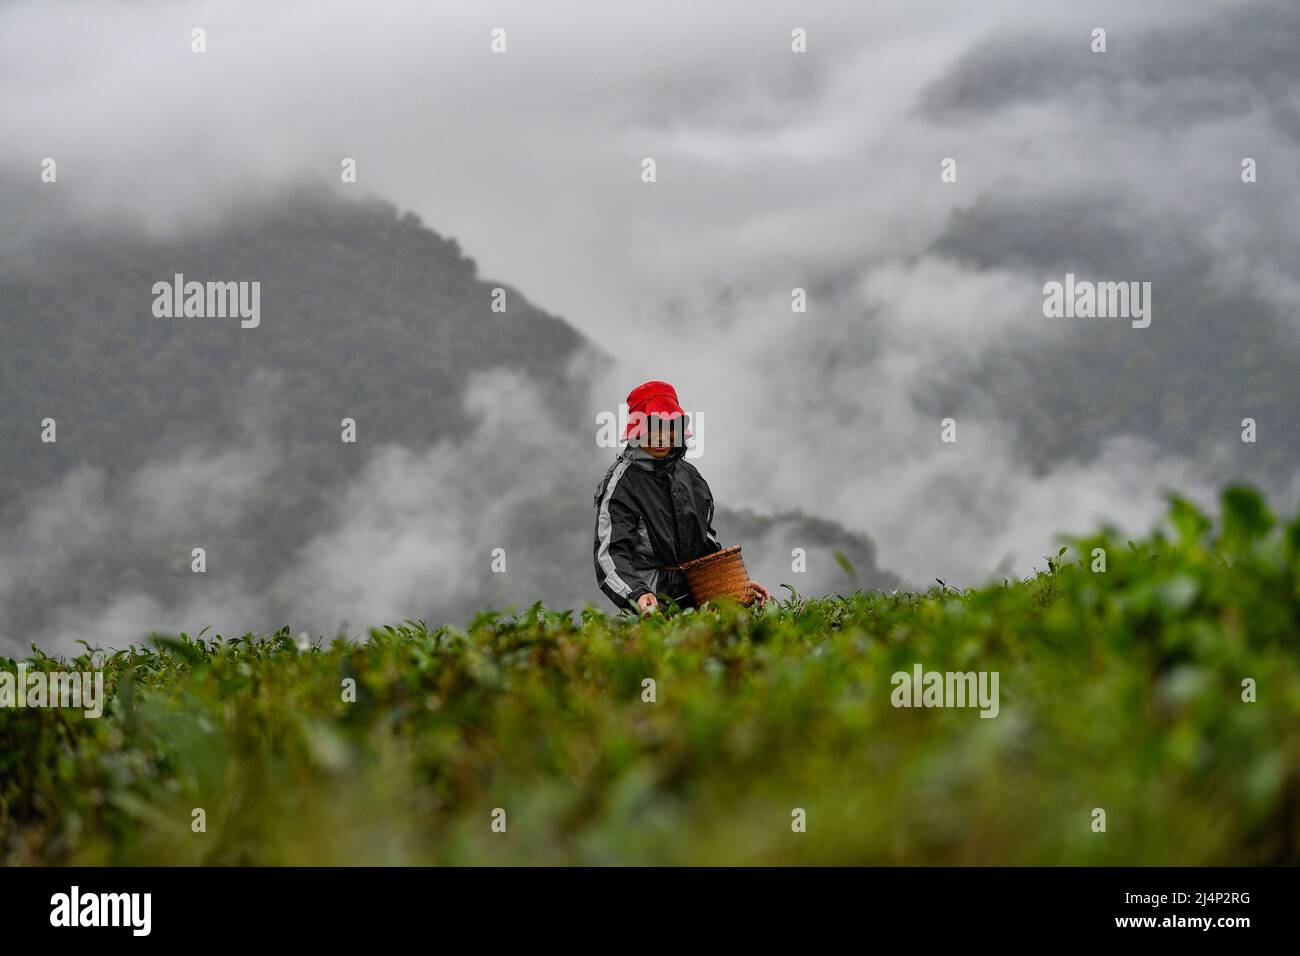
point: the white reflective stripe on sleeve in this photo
(605, 528)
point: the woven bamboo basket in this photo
(718, 575)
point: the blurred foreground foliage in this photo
(1120, 690)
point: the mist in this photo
(775, 171)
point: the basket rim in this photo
(709, 558)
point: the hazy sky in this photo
(775, 170)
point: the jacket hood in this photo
(643, 459)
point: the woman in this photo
(654, 509)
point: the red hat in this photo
(653, 398)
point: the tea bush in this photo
(1121, 690)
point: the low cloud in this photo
(774, 172)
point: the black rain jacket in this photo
(651, 515)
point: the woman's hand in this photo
(760, 592)
(647, 603)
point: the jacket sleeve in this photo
(617, 550)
